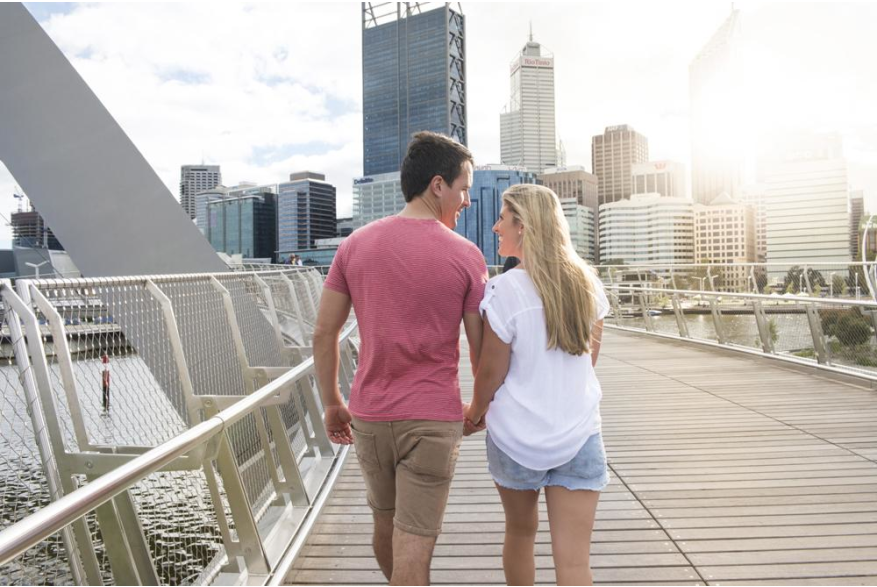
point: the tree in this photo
(857, 275)
(853, 329)
(772, 331)
(839, 285)
(795, 281)
(761, 280)
(830, 319)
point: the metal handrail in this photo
(44, 523)
(725, 294)
(783, 264)
(157, 279)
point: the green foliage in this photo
(853, 329)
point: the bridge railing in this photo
(828, 333)
(172, 421)
(842, 280)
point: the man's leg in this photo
(412, 555)
(382, 541)
(428, 455)
(374, 451)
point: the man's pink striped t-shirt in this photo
(410, 281)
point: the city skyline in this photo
(250, 106)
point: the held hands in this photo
(472, 422)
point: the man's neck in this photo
(420, 208)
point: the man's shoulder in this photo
(459, 245)
(370, 229)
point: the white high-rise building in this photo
(647, 228)
(195, 179)
(376, 196)
(806, 200)
(659, 177)
(581, 227)
(577, 190)
(715, 82)
(527, 126)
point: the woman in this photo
(542, 327)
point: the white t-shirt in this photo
(549, 404)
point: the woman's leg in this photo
(571, 520)
(521, 523)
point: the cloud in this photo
(266, 89)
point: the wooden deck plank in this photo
(748, 477)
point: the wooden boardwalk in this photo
(726, 470)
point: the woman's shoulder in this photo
(512, 289)
(508, 281)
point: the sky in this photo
(266, 89)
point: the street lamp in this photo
(36, 268)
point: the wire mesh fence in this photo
(131, 363)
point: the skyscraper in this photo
(754, 196)
(29, 229)
(613, 155)
(305, 211)
(805, 176)
(857, 210)
(577, 190)
(375, 197)
(245, 225)
(715, 91)
(195, 179)
(527, 127)
(647, 228)
(413, 79)
(476, 222)
(724, 233)
(202, 199)
(663, 177)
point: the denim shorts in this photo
(587, 470)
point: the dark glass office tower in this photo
(413, 78)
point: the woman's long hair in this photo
(562, 278)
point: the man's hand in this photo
(469, 426)
(337, 421)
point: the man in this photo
(411, 280)
(510, 263)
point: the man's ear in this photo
(435, 185)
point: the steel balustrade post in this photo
(272, 310)
(680, 316)
(292, 479)
(763, 326)
(299, 315)
(819, 344)
(647, 318)
(717, 321)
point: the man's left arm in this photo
(474, 328)
(334, 310)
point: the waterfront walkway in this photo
(726, 469)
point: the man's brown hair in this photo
(430, 154)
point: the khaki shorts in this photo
(408, 466)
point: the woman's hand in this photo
(473, 420)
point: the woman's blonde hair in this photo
(562, 278)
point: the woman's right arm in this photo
(596, 339)
(493, 367)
